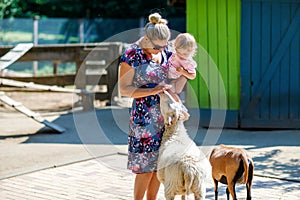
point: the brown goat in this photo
(230, 166)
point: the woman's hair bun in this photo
(156, 18)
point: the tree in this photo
(88, 8)
(9, 8)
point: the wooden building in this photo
(248, 61)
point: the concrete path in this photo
(88, 161)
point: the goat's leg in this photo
(231, 188)
(249, 183)
(216, 189)
(227, 193)
(248, 186)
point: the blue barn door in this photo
(270, 64)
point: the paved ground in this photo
(88, 160)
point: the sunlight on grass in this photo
(17, 37)
(44, 68)
(44, 36)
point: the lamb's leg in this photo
(199, 190)
(169, 197)
(216, 189)
(161, 175)
(198, 197)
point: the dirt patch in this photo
(39, 101)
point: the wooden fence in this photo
(96, 65)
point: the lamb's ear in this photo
(172, 118)
(185, 114)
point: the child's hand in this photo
(179, 69)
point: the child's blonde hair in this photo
(156, 28)
(187, 42)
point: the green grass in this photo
(44, 68)
(13, 37)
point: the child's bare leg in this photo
(179, 84)
(173, 84)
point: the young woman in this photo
(143, 69)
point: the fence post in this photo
(35, 39)
(81, 30)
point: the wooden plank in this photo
(29, 113)
(276, 57)
(203, 53)
(63, 52)
(65, 80)
(271, 123)
(234, 30)
(265, 56)
(223, 66)
(274, 81)
(284, 65)
(53, 88)
(14, 54)
(231, 120)
(213, 84)
(275, 1)
(245, 56)
(93, 53)
(255, 46)
(59, 79)
(294, 109)
(10, 56)
(193, 92)
(256, 50)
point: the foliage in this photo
(9, 8)
(87, 8)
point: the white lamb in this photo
(182, 167)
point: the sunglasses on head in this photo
(157, 47)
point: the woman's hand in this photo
(126, 87)
(160, 88)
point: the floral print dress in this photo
(146, 124)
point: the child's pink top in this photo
(187, 64)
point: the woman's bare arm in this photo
(126, 87)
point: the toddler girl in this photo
(181, 63)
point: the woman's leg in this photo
(141, 184)
(153, 187)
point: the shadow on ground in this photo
(96, 127)
(275, 153)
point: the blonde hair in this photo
(185, 41)
(156, 28)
